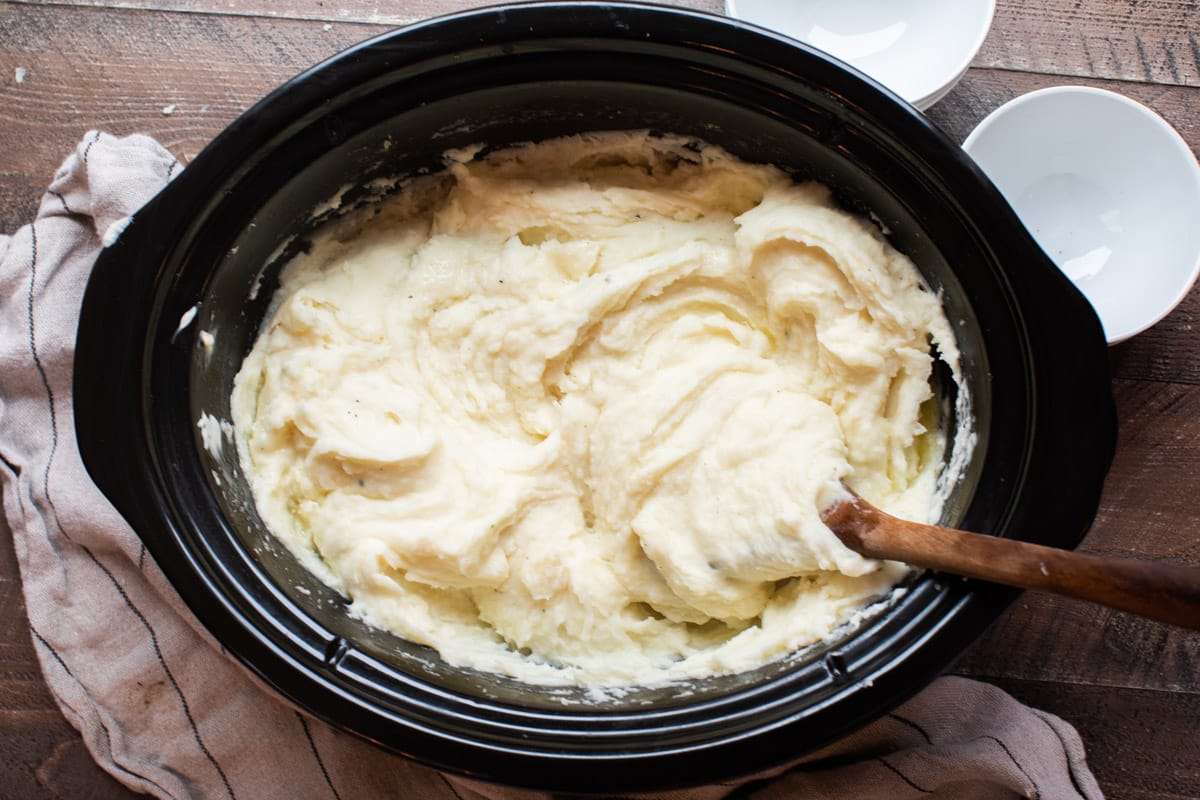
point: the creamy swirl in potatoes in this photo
(570, 411)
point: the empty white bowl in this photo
(917, 48)
(1108, 189)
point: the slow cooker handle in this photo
(109, 351)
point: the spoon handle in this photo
(1164, 592)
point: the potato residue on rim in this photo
(570, 411)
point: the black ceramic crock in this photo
(204, 256)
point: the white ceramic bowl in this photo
(917, 48)
(1109, 190)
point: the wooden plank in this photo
(1148, 508)
(1147, 511)
(119, 70)
(1166, 351)
(1151, 41)
(372, 11)
(44, 757)
(1047, 638)
(982, 91)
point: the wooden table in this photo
(180, 70)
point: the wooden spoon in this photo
(1164, 592)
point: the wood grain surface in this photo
(181, 70)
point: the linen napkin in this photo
(167, 713)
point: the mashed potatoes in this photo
(570, 412)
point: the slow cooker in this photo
(205, 254)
